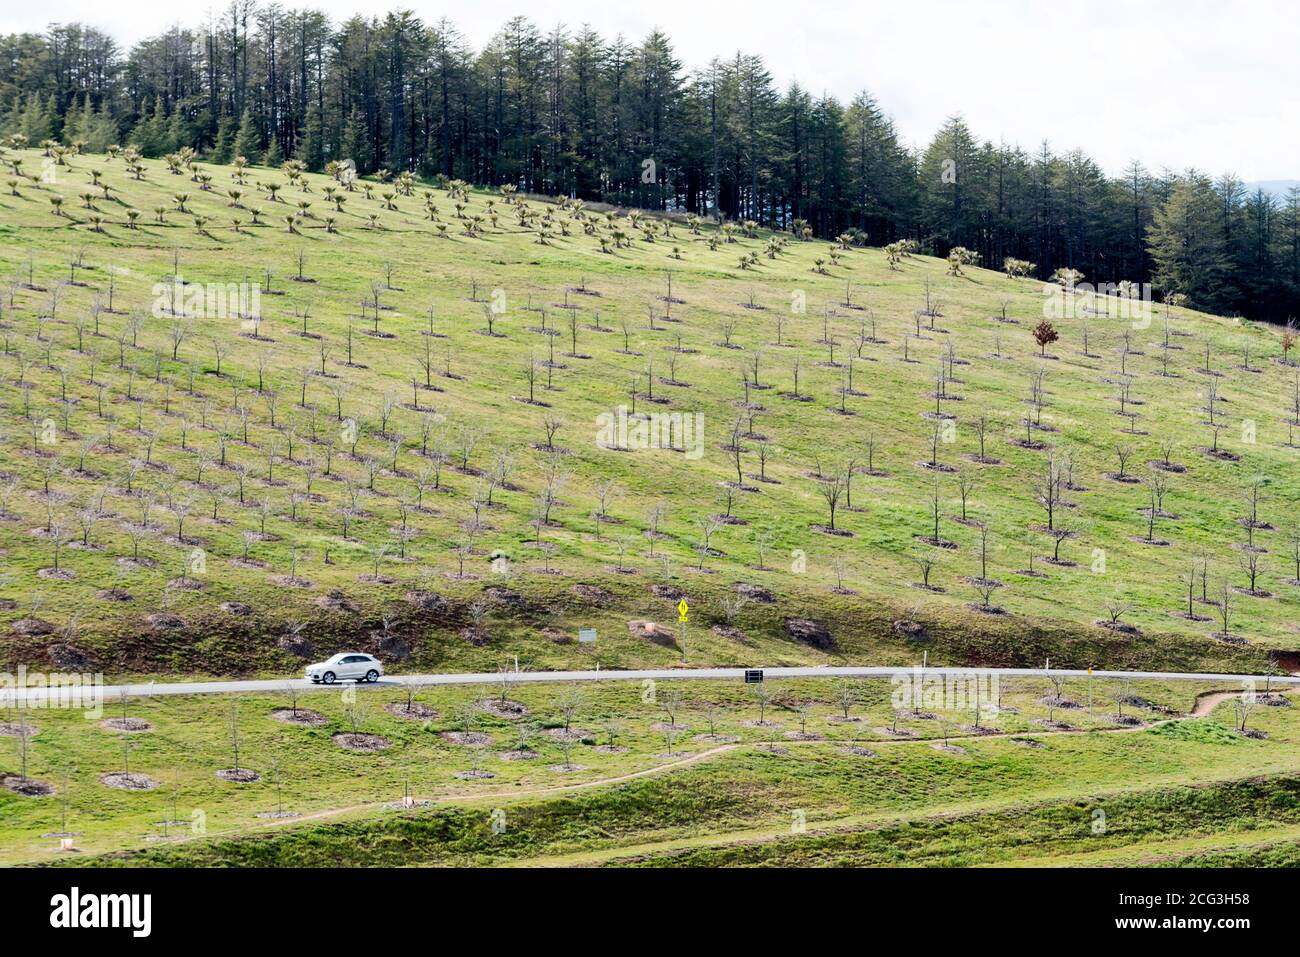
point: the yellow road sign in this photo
(682, 608)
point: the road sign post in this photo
(682, 609)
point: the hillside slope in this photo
(192, 489)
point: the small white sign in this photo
(587, 636)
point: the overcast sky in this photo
(1203, 83)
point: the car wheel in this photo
(372, 675)
(328, 677)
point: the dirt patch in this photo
(804, 736)
(504, 596)
(640, 628)
(907, 628)
(15, 729)
(128, 781)
(164, 621)
(592, 594)
(1054, 702)
(948, 748)
(567, 768)
(26, 787)
(755, 593)
(126, 724)
(470, 739)
(665, 726)
(895, 733)
(302, 716)
(113, 594)
(730, 632)
(408, 804)
(336, 601)
(1125, 720)
(611, 749)
(238, 775)
(291, 581)
(858, 751)
(509, 709)
(474, 775)
(518, 755)
(671, 592)
(31, 627)
(426, 601)
(393, 648)
(810, 632)
(474, 636)
(236, 608)
(416, 711)
(1229, 639)
(1118, 627)
(1028, 742)
(573, 734)
(362, 742)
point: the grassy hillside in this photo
(207, 493)
(691, 771)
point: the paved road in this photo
(37, 696)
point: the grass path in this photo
(1154, 853)
(1205, 704)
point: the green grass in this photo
(1042, 834)
(87, 462)
(722, 797)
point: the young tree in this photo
(1045, 334)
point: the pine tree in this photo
(11, 121)
(150, 135)
(178, 133)
(247, 141)
(273, 157)
(52, 111)
(77, 121)
(37, 123)
(221, 147)
(355, 145)
(1187, 243)
(312, 150)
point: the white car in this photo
(350, 664)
